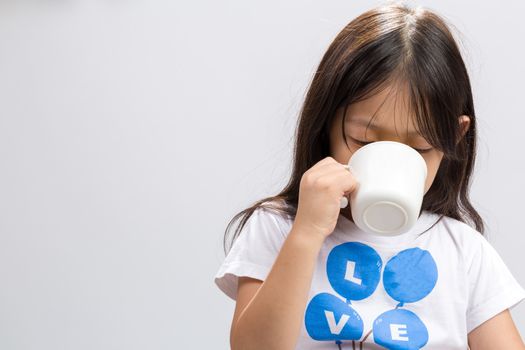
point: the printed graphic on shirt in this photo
(354, 271)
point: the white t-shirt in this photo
(411, 291)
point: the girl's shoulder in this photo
(461, 232)
(277, 211)
(464, 240)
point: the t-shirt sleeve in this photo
(253, 251)
(492, 287)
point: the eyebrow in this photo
(375, 127)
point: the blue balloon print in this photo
(410, 275)
(354, 270)
(329, 318)
(400, 329)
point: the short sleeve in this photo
(253, 251)
(492, 287)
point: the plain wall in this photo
(132, 131)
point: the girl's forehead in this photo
(387, 107)
(407, 127)
(392, 98)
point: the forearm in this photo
(272, 320)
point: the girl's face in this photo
(390, 123)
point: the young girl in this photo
(304, 276)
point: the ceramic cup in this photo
(390, 187)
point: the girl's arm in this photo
(499, 332)
(272, 317)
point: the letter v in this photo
(335, 328)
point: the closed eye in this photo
(362, 143)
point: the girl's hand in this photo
(320, 192)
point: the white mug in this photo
(390, 187)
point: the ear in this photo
(464, 124)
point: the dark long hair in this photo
(390, 43)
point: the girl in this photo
(304, 276)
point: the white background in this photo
(131, 131)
